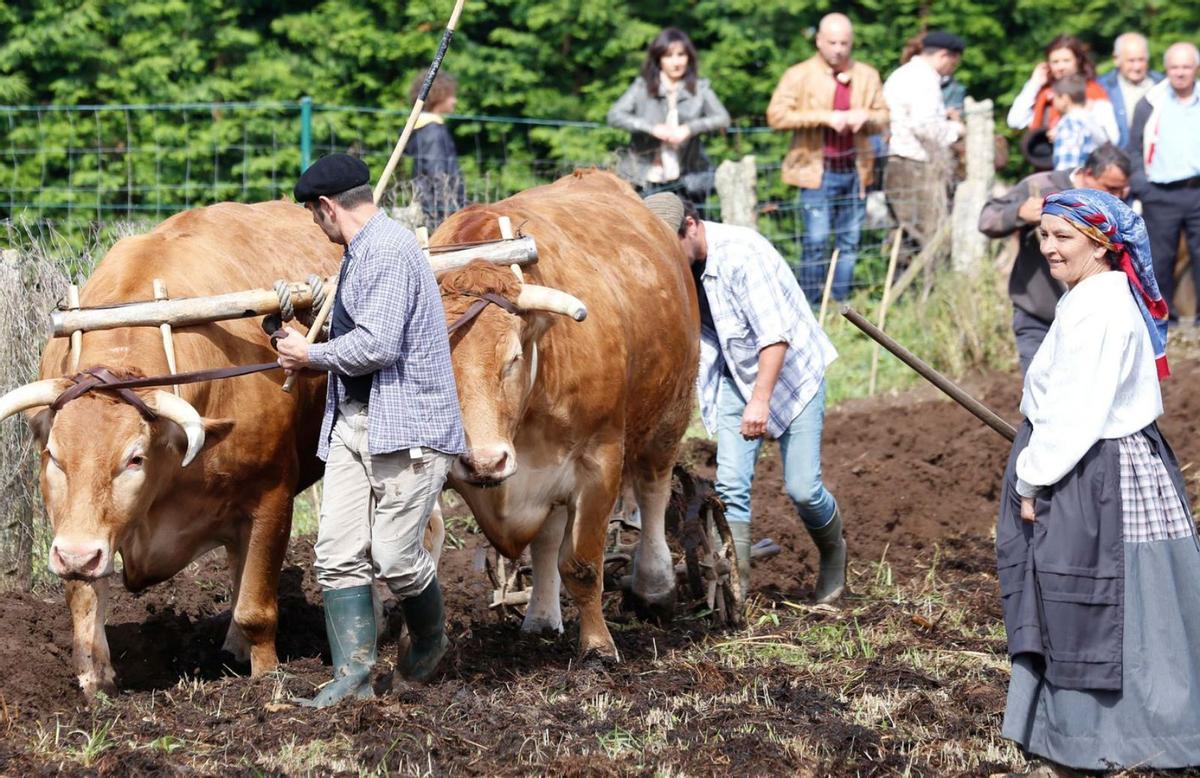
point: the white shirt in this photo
(1020, 115)
(756, 302)
(918, 113)
(1092, 379)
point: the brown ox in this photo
(558, 413)
(114, 483)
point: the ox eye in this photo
(512, 363)
(135, 462)
(53, 460)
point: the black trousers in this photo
(1169, 212)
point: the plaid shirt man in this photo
(755, 302)
(388, 289)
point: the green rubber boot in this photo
(831, 581)
(350, 627)
(741, 544)
(426, 621)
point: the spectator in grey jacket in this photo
(1034, 292)
(666, 110)
(435, 174)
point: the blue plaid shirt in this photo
(399, 335)
(756, 303)
(1074, 139)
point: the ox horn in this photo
(544, 298)
(32, 395)
(180, 411)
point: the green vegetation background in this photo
(562, 59)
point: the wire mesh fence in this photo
(75, 170)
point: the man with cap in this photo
(392, 427)
(762, 373)
(922, 134)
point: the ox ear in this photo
(39, 425)
(215, 430)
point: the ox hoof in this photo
(657, 608)
(97, 691)
(237, 646)
(599, 659)
(541, 627)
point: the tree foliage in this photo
(561, 59)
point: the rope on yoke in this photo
(485, 299)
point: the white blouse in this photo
(1093, 379)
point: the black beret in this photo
(940, 39)
(330, 175)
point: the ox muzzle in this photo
(486, 466)
(81, 559)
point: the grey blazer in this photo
(638, 112)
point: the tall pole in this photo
(385, 176)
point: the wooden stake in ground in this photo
(381, 184)
(828, 289)
(883, 306)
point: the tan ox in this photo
(114, 483)
(556, 412)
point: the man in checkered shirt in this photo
(392, 427)
(762, 373)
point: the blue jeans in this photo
(838, 206)
(800, 447)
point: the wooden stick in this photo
(883, 306)
(981, 411)
(76, 335)
(160, 293)
(381, 185)
(188, 311)
(928, 252)
(828, 289)
(506, 230)
(317, 325)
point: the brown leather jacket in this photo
(803, 102)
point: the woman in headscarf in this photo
(1097, 554)
(666, 109)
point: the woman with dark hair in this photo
(666, 110)
(435, 174)
(1097, 555)
(1032, 109)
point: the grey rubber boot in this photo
(426, 622)
(350, 627)
(831, 581)
(741, 544)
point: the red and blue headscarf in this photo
(1112, 224)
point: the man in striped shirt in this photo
(392, 427)
(762, 373)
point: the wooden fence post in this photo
(969, 246)
(737, 188)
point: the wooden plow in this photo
(706, 570)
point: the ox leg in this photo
(93, 665)
(544, 613)
(435, 533)
(235, 640)
(581, 557)
(653, 590)
(257, 610)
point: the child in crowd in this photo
(436, 178)
(1076, 134)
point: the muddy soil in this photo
(917, 480)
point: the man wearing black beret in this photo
(392, 427)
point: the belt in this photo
(1183, 183)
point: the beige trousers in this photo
(374, 510)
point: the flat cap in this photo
(668, 207)
(940, 39)
(330, 175)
